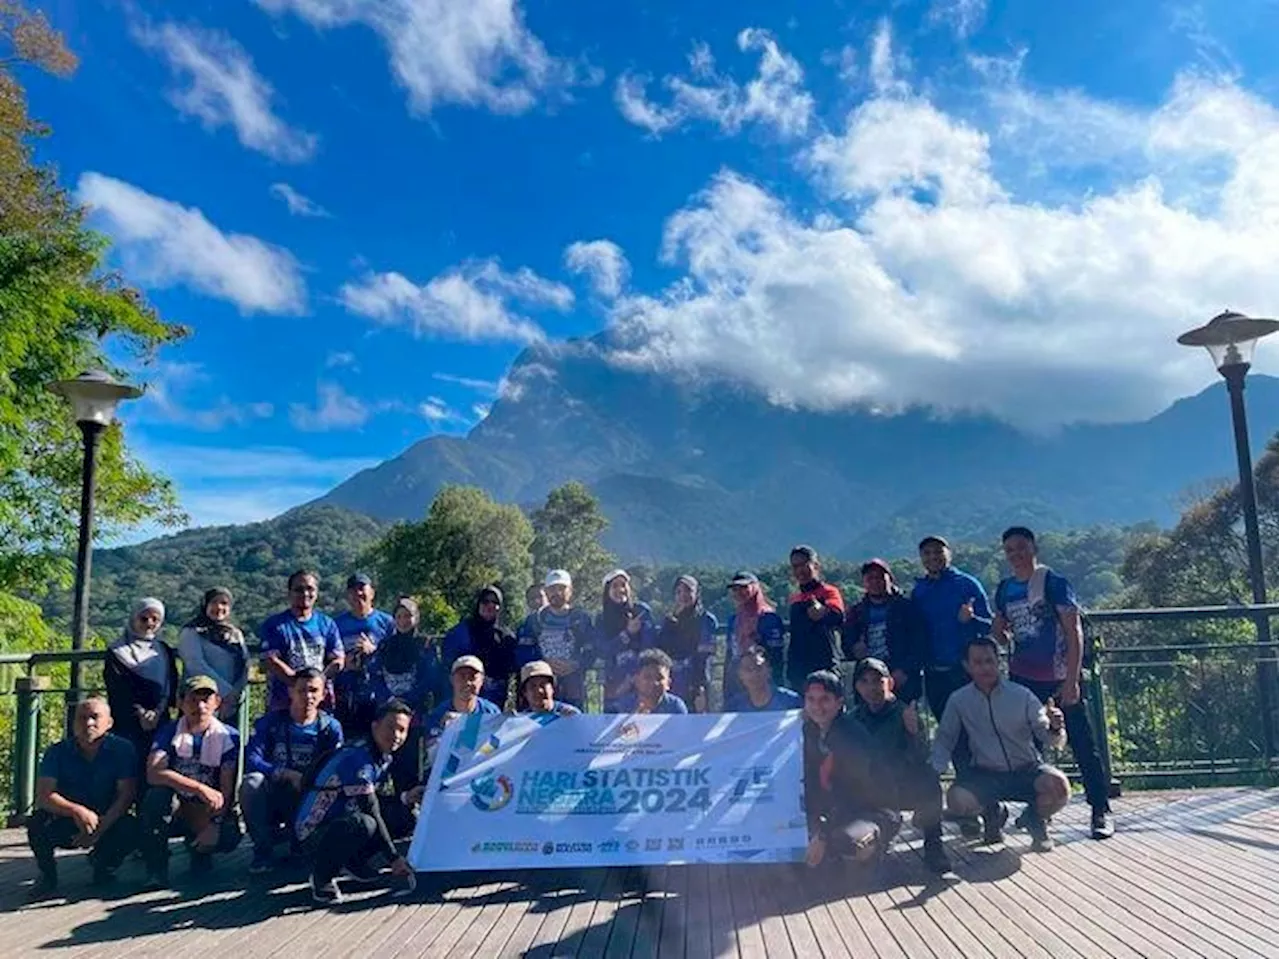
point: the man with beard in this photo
(886, 625)
(481, 635)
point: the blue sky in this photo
(366, 208)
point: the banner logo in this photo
(489, 794)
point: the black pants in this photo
(1081, 738)
(916, 787)
(160, 822)
(939, 684)
(352, 841)
(47, 832)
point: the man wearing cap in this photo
(467, 679)
(538, 692)
(561, 636)
(299, 636)
(192, 774)
(887, 625)
(760, 693)
(903, 778)
(482, 635)
(817, 613)
(753, 622)
(361, 628)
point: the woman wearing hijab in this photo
(481, 635)
(688, 636)
(753, 622)
(623, 628)
(211, 645)
(141, 675)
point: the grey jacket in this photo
(1006, 729)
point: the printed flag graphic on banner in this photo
(549, 791)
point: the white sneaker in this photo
(326, 894)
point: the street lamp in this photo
(1231, 339)
(93, 397)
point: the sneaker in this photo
(935, 857)
(970, 828)
(1041, 841)
(363, 873)
(993, 825)
(44, 888)
(1101, 825)
(404, 885)
(263, 862)
(1025, 818)
(326, 894)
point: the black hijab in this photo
(224, 633)
(485, 635)
(614, 616)
(399, 652)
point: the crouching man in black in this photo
(902, 777)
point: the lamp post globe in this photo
(93, 396)
(1231, 339)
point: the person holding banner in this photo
(623, 628)
(904, 779)
(467, 679)
(340, 821)
(538, 692)
(760, 694)
(651, 685)
(844, 823)
(753, 622)
(561, 636)
(688, 636)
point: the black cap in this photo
(870, 664)
(356, 580)
(933, 539)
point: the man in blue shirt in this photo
(299, 636)
(538, 692)
(192, 775)
(759, 692)
(467, 679)
(85, 788)
(284, 744)
(362, 628)
(650, 691)
(1038, 616)
(339, 822)
(561, 635)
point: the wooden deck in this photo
(1189, 874)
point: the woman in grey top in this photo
(211, 645)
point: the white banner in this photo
(519, 792)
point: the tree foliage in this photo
(467, 541)
(567, 531)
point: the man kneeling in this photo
(86, 786)
(537, 692)
(340, 823)
(192, 774)
(281, 750)
(1006, 727)
(902, 777)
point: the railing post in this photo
(1098, 703)
(26, 746)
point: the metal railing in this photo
(1201, 708)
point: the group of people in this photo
(357, 703)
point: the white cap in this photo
(613, 574)
(467, 662)
(558, 577)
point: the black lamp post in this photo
(1231, 339)
(93, 397)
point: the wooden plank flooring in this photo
(1189, 874)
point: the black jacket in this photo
(126, 689)
(833, 796)
(906, 632)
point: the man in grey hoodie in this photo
(1007, 727)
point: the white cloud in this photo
(297, 204)
(338, 359)
(962, 16)
(477, 53)
(335, 409)
(775, 97)
(221, 87)
(164, 243)
(603, 262)
(481, 410)
(471, 383)
(471, 302)
(165, 400)
(936, 285)
(436, 410)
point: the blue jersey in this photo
(620, 653)
(313, 642)
(668, 705)
(376, 625)
(203, 765)
(1039, 642)
(279, 744)
(439, 718)
(348, 780)
(781, 700)
(417, 685)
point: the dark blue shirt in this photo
(782, 699)
(193, 766)
(279, 744)
(939, 601)
(90, 782)
(298, 642)
(350, 778)
(669, 705)
(1039, 642)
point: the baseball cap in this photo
(932, 538)
(613, 574)
(870, 664)
(558, 577)
(463, 662)
(536, 668)
(743, 578)
(193, 684)
(356, 580)
(875, 563)
(808, 552)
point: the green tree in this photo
(567, 536)
(466, 542)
